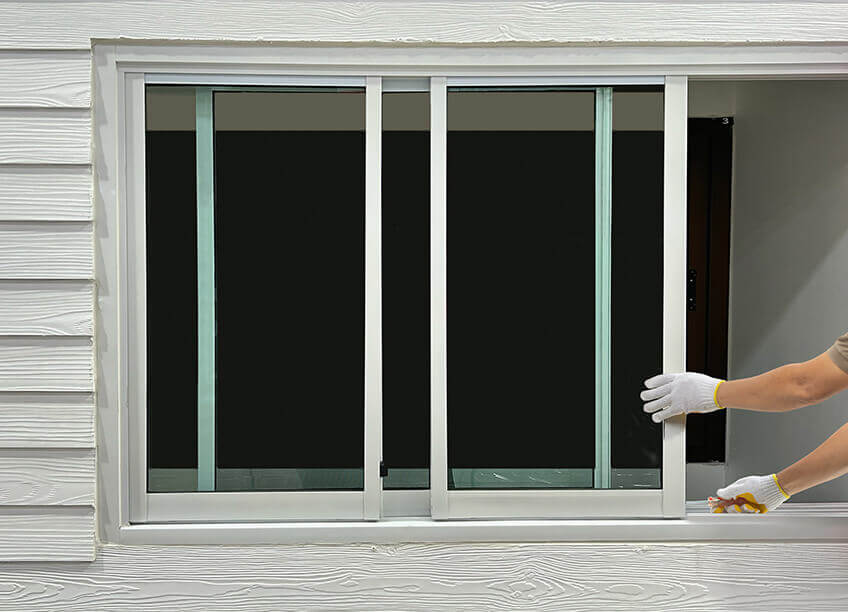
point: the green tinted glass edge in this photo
(205, 291)
(603, 282)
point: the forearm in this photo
(777, 390)
(828, 461)
(785, 388)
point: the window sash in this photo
(373, 503)
(247, 505)
(599, 503)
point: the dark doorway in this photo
(708, 270)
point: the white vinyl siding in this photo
(59, 24)
(47, 402)
(60, 79)
(540, 577)
(40, 192)
(47, 438)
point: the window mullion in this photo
(205, 290)
(438, 299)
(675, 125)
(372, 504)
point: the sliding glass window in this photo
(365, 297)
(520, 286)
(552, 222)
(255, 289)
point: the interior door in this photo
(708, 271)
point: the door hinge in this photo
(384, 471)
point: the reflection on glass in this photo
(406, 289)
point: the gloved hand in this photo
(671, 394)
(750, 494)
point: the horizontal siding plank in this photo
(46, 420)
(46, 534)
(45, 193)
(58, 365)
(45, 79)
(51, 478)
(46, 251)
(625, 577)
(45, 136)
(46, 309)
(61, 24)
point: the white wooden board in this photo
(46, 420)
(47, 477)
(45, 193)
(45, 534)
(54, 364)
(61, 24)
(45, 136)
(43, 308)
(427, 577)
(42, 78)
(46, 251)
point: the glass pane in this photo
(289, 249)
(521, 289)
(273, 259)
(406, 289)
(637, 296)
(171, 289)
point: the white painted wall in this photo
(789, 285)
(712, 98)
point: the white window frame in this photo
(121, 68)
(248, 505)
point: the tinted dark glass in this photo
(171, 289)
(406, 289)
(520, 286)
(637, 288)
(289, 206)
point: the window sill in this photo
(794, 521)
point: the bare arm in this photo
(827, 462)
(785, 388)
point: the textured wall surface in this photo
(47, 262)
(55, 24)
(47, 442)
(427, 577)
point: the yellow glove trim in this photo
(785, 494)
(715, 394)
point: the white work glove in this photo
(749, 494)
(671, 394)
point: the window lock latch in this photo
(384, 471)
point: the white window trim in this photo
(114, 62)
